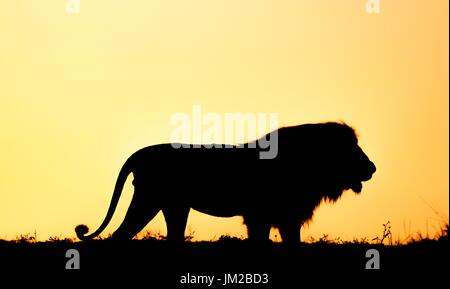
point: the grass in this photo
(164, 262)
(384, 239)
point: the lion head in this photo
(327, 157)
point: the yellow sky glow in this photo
(79, 93)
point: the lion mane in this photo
(314, 163)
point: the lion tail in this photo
(82, 230)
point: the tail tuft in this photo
(81, 230)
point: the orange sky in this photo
(79, 93)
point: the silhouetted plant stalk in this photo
(387, 234)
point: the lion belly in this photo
(218, 211)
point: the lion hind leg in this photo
(176, 220)
(137, 217)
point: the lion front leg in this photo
(176, 219)
(257, 230)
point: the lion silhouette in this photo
(315, 163)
